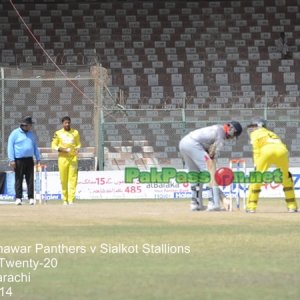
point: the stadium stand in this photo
(206, 56)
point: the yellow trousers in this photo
(68, 171)
(273, 154)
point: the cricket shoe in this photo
(292, 210)
(18, 201)
(195, 205)
(250, 211)
(32, 201)
(214, 208)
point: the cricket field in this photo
(148, 249)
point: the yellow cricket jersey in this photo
(66, 139)
(262, 137)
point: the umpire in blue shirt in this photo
(21, 149)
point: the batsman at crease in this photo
(199, 149)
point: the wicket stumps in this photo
(237, 165)
(40, 185)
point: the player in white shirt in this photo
(200, 146)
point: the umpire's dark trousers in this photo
(24, 166)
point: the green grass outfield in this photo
(228, 255)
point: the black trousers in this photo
(2, 182)
(24, 167)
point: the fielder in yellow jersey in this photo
(67, 142)
(269, 150)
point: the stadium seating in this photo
(215, 55)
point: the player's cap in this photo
(237, 127)
(27, 121)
